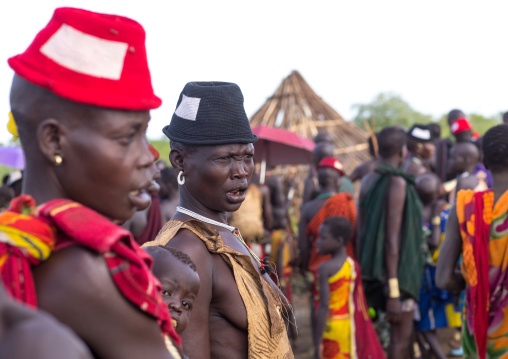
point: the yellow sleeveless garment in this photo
(267, 337)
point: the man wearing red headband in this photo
(462, 130)
(81, 98)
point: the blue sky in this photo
(436, 54)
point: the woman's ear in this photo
(50, 137)
(176, 157)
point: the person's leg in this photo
(431, 338)
(422, 345)
(400, 337)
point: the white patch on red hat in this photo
(86, 54)
(188, 108)
(337, 165)
(454, 127)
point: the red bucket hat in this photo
(90, 58)
(333, 163)
(460, 125)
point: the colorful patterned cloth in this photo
(28, 234)
(484, 232)
(341, 204)
(349, 332)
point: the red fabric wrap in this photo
(367, 342)
(478, 295)
(129, 265)
(133, 91)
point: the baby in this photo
(180, 282)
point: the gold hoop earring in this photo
(58, 160)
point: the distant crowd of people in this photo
(107, 252)
(395, 261)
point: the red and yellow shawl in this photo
(484, 231)
(29, 234)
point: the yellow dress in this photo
(338, 337)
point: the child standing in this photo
(342, 316)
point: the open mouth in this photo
(174, 323)
(140, 198)
(237, 192)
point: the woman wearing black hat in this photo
(238, 312)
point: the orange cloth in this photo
(341, 204)
(483, 228)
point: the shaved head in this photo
(428, 186)
(468, 150)
(31, 104)
(322, 150)
(463, 156)
(323, 137)
(455, 114)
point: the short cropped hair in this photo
(183, 146)
(339, 227)
(391, 140)
(495, 148)
(455, 114)
(181, 256)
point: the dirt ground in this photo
(303, 347)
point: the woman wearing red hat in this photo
(81, 98)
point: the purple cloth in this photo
(12, 157)
(481, 168)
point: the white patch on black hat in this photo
(86, 54)
(420, 133)
(188, 108)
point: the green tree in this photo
(388, 109)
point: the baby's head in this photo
(334, 233)
(180, 282)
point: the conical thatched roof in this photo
(295, 107)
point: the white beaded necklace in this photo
(232, 229)
(205, 219)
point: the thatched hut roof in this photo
(296, 107)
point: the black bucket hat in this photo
(420, 133)
(210, 113)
